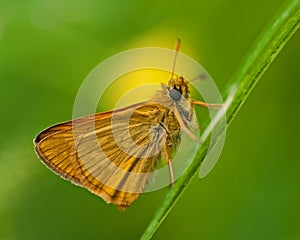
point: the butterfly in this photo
(114, 154)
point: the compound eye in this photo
(175, 94)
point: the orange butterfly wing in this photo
(112, 154)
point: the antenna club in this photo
(177, 44)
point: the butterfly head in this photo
(178, 87)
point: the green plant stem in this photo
(265, 50)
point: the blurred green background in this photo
(46, 50)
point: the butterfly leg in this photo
(183, 127)
(214, 106)
(169, 158)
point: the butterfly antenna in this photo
(200, 77)
(177, 46)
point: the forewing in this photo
(112, 154)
